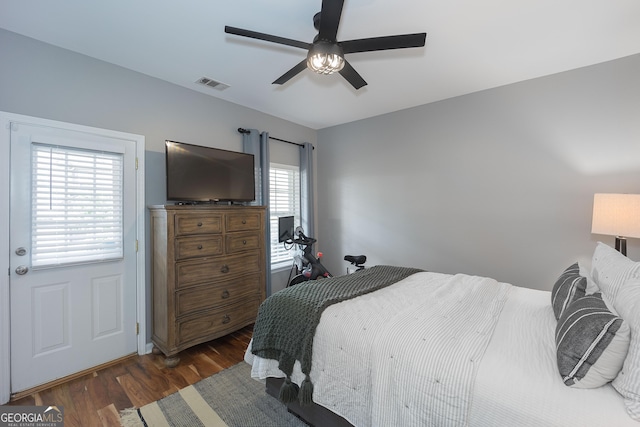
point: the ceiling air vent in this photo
(212, 83)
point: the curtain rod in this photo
(241, 130)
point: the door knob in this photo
(22, 269)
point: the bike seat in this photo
(356, 259)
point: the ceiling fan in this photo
(326, 54)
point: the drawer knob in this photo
(224, 269)
(244, 242)
(199, 224)
(226, 319)
(199, 246)
(225, 294)
(244, 221)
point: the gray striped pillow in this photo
(591, 343)
(569, 287)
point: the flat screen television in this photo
(204, 174)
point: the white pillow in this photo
(585, 271)
(610, 270)
(627, 382)
(619, 280)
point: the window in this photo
(284, 200)
(77, 202)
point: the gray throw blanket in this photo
(287, 320)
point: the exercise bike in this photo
(307, 266)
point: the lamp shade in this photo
(616, 215)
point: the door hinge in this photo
(136, 246)
(137, 328)
(136, 163)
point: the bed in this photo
(448, 350)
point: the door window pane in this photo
(77, 206)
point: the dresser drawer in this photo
(215, 294)
(201, 270)
(196, 246)
(239, 242)
(197, 224)
(237, 221)
(214, 322)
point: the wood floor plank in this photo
(115, 393)
(82, 402)
(98, 392)
(148, 376)
(61, 396)
(181, 376)
(138, 395)
(205, 366)
(109, 416)
(226, 354)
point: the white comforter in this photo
(442, 350)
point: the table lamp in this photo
(617, 215)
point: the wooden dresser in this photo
(208, 273)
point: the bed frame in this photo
(314, 414)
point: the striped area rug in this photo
(229, 398)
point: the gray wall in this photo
(498, 183)
(41, 80)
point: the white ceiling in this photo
(471, 45)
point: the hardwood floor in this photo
(96, 399)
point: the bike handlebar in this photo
(302, 240)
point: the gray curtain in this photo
(257, 143)
(306, 189)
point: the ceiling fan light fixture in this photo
(325, 58)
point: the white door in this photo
(72, 252)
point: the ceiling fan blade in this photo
(352, 76)
(266, 37)
(384, 43)
(291, 73)
(330, 19)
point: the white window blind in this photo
(284, 197)
(77, 206)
